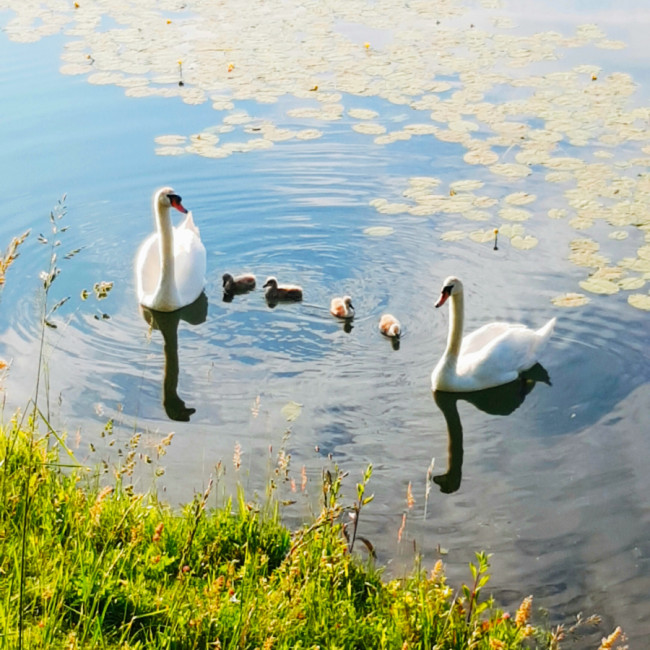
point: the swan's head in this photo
(450, 287)
(270, 282)
(166, 198)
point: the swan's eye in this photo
(448, 289)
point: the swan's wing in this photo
(189, 262)
(147, 267)
(504, 356)
(485, 335)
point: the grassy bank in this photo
(84, 564)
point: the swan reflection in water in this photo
(167, 322)
(500, 400)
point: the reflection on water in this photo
(500, 400)
(167, 323)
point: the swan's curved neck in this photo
(166, 285)
(455, 336)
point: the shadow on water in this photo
(167, 323)
(500, 400)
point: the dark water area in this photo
(549, 475)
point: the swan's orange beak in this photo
(446, 292)
(175, 200)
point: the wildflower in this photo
(523, 613)
(158, 532)
(401, 528)
(436, 572)
(97, 507)
(608, 642)
(268, 644)
(410, 501)
(366, 45)
(231, 67)
(496, 644)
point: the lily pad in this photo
(599, 285)
(640, 301)
(570, 300)
(524, 243)
(291, 411)
(379, 231)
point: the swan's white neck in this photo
(166, 292)
(455, 336)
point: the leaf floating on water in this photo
(640, 301)
(520, 198)
(453, 235)
(511, 170)
(515, 214)
(379, 231)
(291, 411)
(170, 140)
(362, 114)
(369, 128)
(557, 213)
(524, 243)
(482, 236)
(466, 185)
(599, 285)
(309, 134)
(630, 284)
(570, 300)
(480, 156)
(511, 229)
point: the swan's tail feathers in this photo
(546, 331)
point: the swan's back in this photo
(505, 350)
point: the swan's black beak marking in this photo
(175, 200)
(446, 292)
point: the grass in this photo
(87, 563)
(105, 567)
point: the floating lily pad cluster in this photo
(477, 86)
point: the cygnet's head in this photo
(347, 301)
(226, 278)
(166, 198)
(450, 287)
(270, 282)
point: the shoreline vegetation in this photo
(90, 564)
(86, 561)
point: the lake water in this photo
(550, 478)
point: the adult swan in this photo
(493, 355)
(170, 265)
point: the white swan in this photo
(170, 265)
(493, 355)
